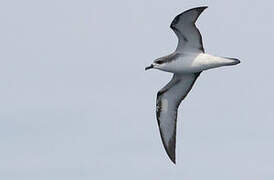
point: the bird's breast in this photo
(186, 63)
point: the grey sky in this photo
(76, 102)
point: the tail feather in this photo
(233, 61)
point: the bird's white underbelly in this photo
(192, 63)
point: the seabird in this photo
(186, 63)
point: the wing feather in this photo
(189, 36)
(167, 103)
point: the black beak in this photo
(149, 67)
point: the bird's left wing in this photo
(189, 36)
(168, 100)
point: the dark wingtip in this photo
(204, 7)
(172, 158)
(171, 148)
(171, 154)
(200, 8)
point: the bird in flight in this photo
(186, 63)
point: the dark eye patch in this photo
(159, 62)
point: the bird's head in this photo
(157, 64)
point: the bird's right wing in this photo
(189, 36)
(168, 100)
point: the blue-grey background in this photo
(76, 102)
